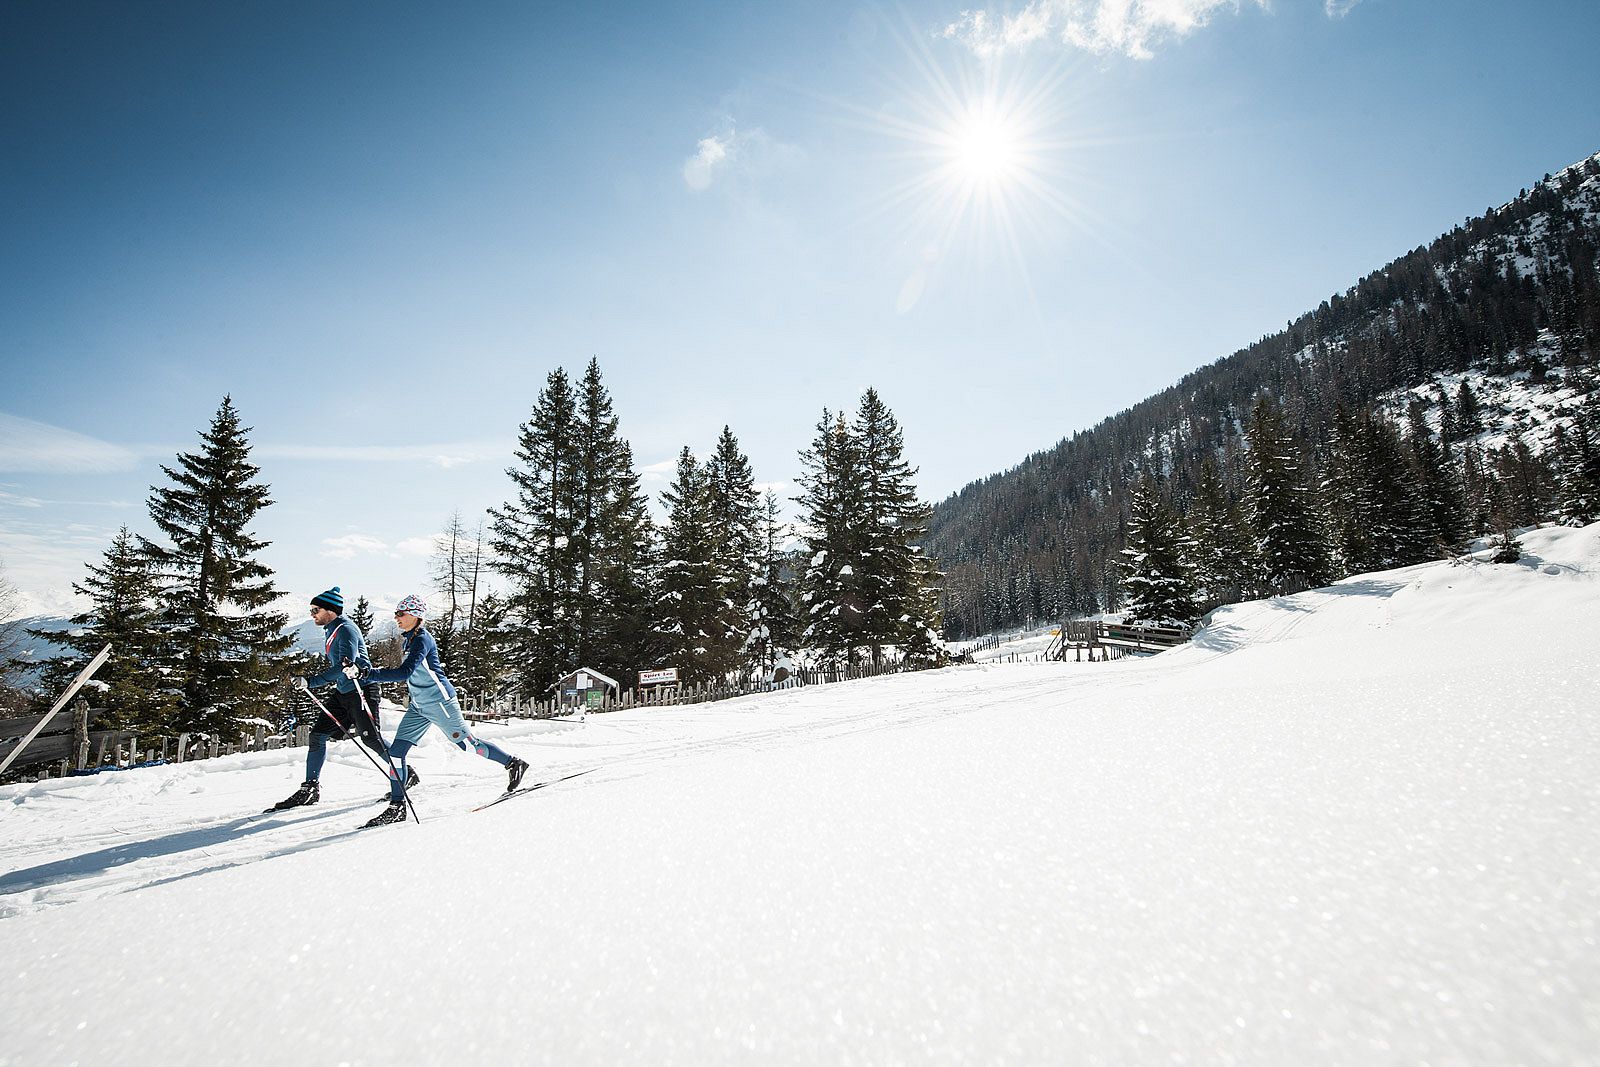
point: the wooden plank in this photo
(72, 690)
(19, 726)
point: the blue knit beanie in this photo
(333, 600)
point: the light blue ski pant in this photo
(447, 717)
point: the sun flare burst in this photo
(986, 146)
(984, 163)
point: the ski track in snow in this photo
(157, 843)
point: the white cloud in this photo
(439, 455)
(733, 153)
(414, 546)
(1339, 8)
(38, 448)
(351, 545)
(711, 157)
(1132, 27)
(659, 472)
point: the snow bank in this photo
(1356, 825)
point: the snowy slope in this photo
(1354, 826)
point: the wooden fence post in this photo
(80, 732)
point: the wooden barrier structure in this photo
(1111, 640)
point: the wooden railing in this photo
(1142, 637)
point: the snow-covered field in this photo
(1356, 826)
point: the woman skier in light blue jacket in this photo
(432, 703)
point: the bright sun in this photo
(986, 162)
(985, 147)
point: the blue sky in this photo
(379, 227)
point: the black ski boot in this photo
(514, 772)
(395, 812)
(306, 794)
(412, 779)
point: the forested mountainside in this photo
(1484, 343)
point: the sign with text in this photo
(664, 676)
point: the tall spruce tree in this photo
(122, 594)
(773, 628)
(735, 530)
(1283, 511)
(891, 575)
(614, 542)
(626, 560)
(1224, 555)
(699, 630)
(1157, 577)
(224, 650)
(831, 603)
(532, 538)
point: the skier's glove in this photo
(299, 683)
(355, 673)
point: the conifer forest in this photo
(1450, 395)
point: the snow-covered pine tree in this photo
(123, 611)
(774, 628)
(625, 577)
(1157, 578)
(494, 664)
(831, 604)
(735, 527)
(1224, 555)
(532, 536)
(697, 632)
(891, 575)
(1283, 511)
(1374, 512)
(362, 616)
(1345, 495)
(224, 651)
(1440, 505)
(1578, 460)
(605, 531)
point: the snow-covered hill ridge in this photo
(1357, 825)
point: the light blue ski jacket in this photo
(420, 670)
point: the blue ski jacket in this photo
(343, 644)
(420, 670)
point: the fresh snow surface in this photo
(1355, 826)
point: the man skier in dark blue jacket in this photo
(344, 645)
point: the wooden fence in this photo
(87, 751)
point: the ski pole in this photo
(323, 708)
(405, 794)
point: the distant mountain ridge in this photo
(1508, 303)
(307, 636)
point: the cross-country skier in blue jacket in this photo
(343, 644)
(432, 703)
